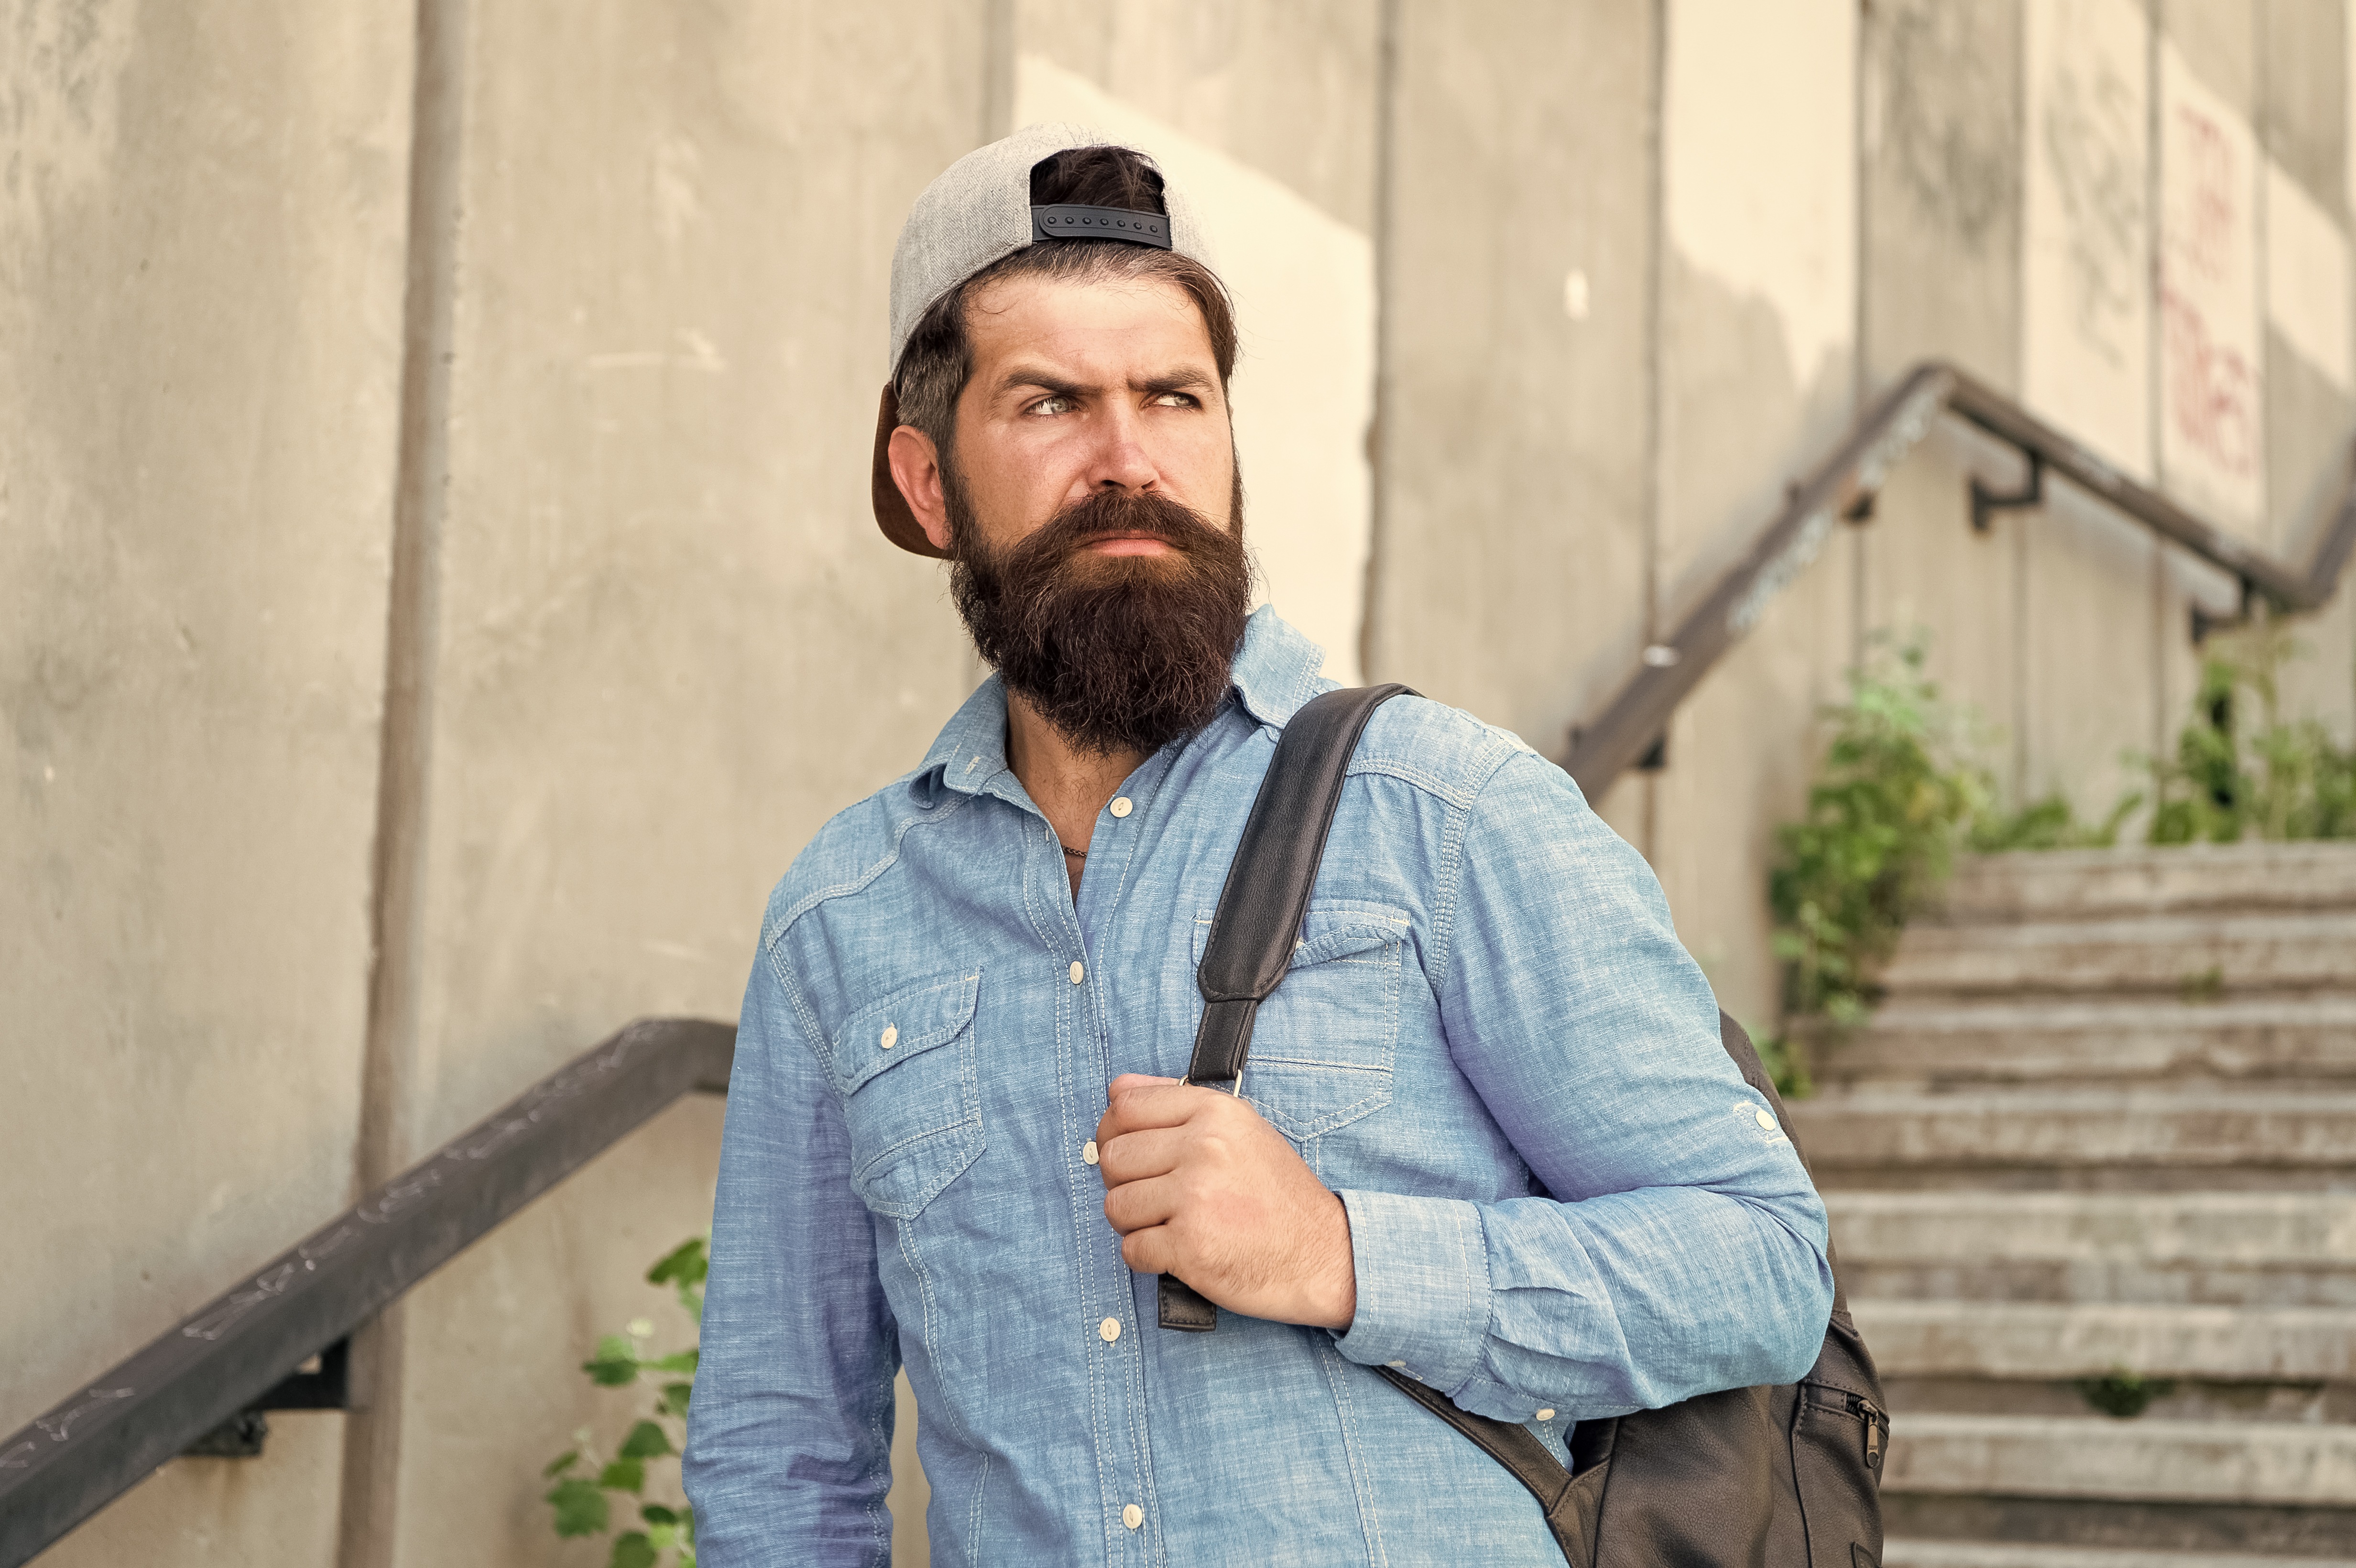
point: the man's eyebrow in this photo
(1047, 380)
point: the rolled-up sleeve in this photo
(1680, 1247)
(789, 1430)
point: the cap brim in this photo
(892, 514)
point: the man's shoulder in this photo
(1441, 749)
(857, 846)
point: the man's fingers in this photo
(1138, 1102)
(1133, 1156)
(1136, 1205)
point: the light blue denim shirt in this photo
(1488, 999)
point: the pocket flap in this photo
(908, 1022)
(1335, 931)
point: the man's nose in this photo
(1120, 459)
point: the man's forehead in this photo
(1086, 326)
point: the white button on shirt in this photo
(1121, 807)
(1545, 1415)
(1079, 971)
(1088, 1151)
(891, 1036)
(1109, 1331)
(1133, 1516)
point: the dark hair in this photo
(938, 359)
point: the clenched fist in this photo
(1199, 1186)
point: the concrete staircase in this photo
(2104, 1128)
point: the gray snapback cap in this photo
(977, 213)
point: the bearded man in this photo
(1488, 1136)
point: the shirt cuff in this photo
(1423, 1286)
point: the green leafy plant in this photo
(587, 1486)
(2240, 768)
(2050, 824)
(1895, 797)
(2122, 1394)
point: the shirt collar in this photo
(1276, 670)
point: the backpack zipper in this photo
(1874, 1416)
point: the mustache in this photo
(1114, 514)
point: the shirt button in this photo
(1545, 1415)
(1079, 971)
(1763, 1119)
(1133, 1516)
(1400, 1364)
(1109, 1331)
(1121, 807)
(891, 1036)
(1088, 1151)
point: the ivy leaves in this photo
(585, 1497)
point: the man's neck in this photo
(1070, 786)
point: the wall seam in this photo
(1654, 372)
(366, 1536)
(1378, 481)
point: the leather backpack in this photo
(1750, 1477)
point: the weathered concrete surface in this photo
(1951, 1043)
(2275, 1230)
(2089, 1339)
(2195, 954)
(201, 216)
(1919, 1553)
(1511, 572)
(2174, 877)
(2092, 691)
(670, 642)
(1941, 139)
(1757, 368)
(1289, 90)
(2222, 1249)
(2093, 1457)
(232, 1514)
(2288, 1134)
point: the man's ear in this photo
(917, 470)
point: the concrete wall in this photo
(201, 231)
(437, 595)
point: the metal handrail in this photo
(1844, 486)
(223, 1359)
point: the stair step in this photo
(2140, 1461)
(2042, 884)
(2310, 1037)
(1917, 1553)
(2253, 1230)
(2196, 956)
(2125, 1136)
(2050, 1341)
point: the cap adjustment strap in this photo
(1069, 222)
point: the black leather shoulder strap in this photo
(1267, 892)
(1260, 908)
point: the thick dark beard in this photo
(1118, 653)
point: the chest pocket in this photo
(1324, 1045)
(905, 1066)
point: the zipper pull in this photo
(1873, 1415)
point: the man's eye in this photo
(1056, 404)
(1175, 400)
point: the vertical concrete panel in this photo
(1943, 188)
(671, 641)
(1303, 284)
(2087, 294)
(2090, 689)
(2211, 392)
(2310, 382)
(1759, 326)
(1927, 571)
(1287, 89)
(1511, 574)
(201, 211)
(1758, 381)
